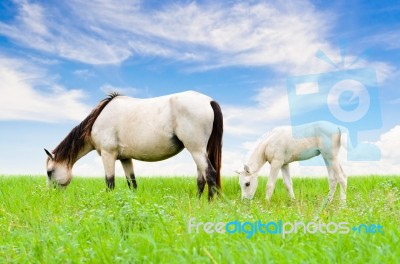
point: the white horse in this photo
(287, 144)
(124, 128)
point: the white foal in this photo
(287, 144)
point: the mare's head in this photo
(248, 182)
(75, 145)
(59, 173)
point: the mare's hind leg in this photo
(193, 127)
(109, 168)
(127, 165)
(206, 173)
(287, 180)
(201, 183)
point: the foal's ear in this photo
(247, 169)
(49, 154)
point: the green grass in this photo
(87, 224)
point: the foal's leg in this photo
(342, 178)
(287, 180)
(129, 173)
(335, 171)
(109, 168)
(331, 178)
(273, 174)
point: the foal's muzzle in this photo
(248, 197)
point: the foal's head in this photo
(58, 173)
(248, 182)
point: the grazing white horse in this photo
(287, 144)
(124, 128)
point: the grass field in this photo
(87, 224)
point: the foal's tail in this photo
(214, 146)
(344, 138)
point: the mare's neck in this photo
(85, 150)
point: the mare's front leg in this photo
(109, 168)
(127, 165)
(287, 180)
(273, 174)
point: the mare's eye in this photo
(247, 184)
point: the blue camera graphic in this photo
(348, 98)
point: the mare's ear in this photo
(247, 169)
(49, 154)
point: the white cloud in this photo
(21, 100)
(284, 36)
(270, 109)
(108, 88)
(395, 101)
(84, 73)
(32, 18)
(100, 32)
(50, 30)
(384, 72)
(386, 39)
(389, 144)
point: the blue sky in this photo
(57, 60)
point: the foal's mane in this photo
(265, 136)
(69, 148)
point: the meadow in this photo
(87, 224)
